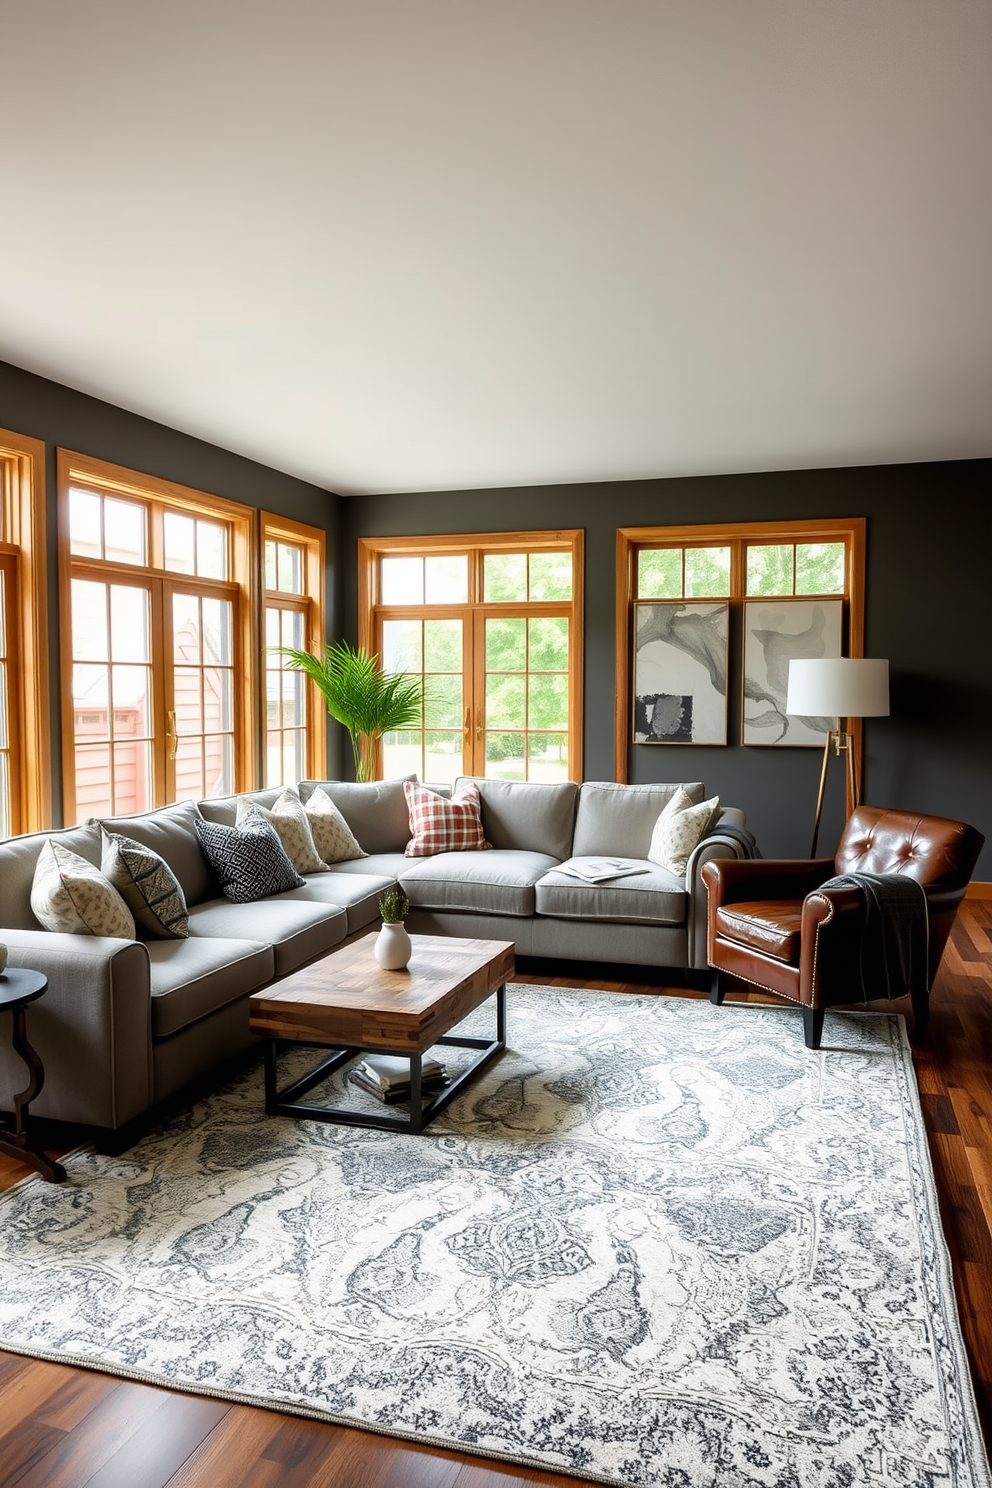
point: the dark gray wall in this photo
(928, 586)
(62, 417)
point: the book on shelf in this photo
(390, 1070)
(598, 870)
(396, 1092)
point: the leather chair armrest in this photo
(832, 924)
(732, 881)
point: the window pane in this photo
(548, 644)
(504, 577)
(89, 621)
(132, 776)
(5, 816)
(707, 572)
(90, 694)
(289, 567)
(820, 568)
(446, 579)
(442, 756)
(131, 697)
(123, 531)
(443, 646)
(402, 581)
(84, 524)
(402, 754)
(218, 699)
(211, 550)
(94, 788)
(506, 645)
(550, 576)
(4, 726)
(443, 702)
(216, 620)
(220, 766)
(292, 630)
(769, 569)
(547, 757)
(273, 631)
(659, 573)
(190, 783)
(130, 638)
(180, 543)
(271, 576)
(294, 758)
(505, 757)
(547, 702)
(188, 703)
(185, 627)
(506, 702)
(402, 646)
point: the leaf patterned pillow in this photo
(286, 814)
(335, 840)
(147, 885)
(71, 896)
(679, 830)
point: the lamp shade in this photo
(838, 687)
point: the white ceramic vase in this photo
(392, 946)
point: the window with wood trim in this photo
(25, 730)
(293, 616)
(158, 663)
(791, 562)
(492, 623)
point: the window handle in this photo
(468, 724)
(171, 735)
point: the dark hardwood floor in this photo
(72, 1428)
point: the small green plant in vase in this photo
(392, 946)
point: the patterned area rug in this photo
(659, 1243)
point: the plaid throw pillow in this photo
(438, 825)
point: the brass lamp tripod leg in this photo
(842, 742)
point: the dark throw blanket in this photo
(895, 939)
(744, 838)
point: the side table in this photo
(18, 987)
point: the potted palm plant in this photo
(360, 695)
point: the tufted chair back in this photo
(940, 854)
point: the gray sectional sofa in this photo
(127, 1023)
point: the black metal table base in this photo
(288, 1102)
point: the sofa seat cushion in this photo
(356, 893)
(656, 897)
(377, 865)
(194, 977)
(297, 931)
(482, 882)
(770, 926)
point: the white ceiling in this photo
(425, 244)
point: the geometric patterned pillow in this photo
(249, 860)
(439, 824)
(147, 885)
(72, 896)
(290, 821)
(333, 838)
(679, 829)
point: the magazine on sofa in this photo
(597, 870)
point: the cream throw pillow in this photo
(292, 826)
(679, 829)
(72, 896)
(335, 840)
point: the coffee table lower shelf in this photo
(287, 1102)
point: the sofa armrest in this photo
(712, 848)
(92, 1027)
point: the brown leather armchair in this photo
(770, 923)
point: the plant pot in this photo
(392, 946)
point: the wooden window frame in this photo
(75, 469)
(475, 544)
(738, 536)
(22, 491)
(310, 604)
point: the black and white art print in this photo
(777, 631)
(680, 672)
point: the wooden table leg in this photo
(15, 1142)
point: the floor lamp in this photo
(841, 687)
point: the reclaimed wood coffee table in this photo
(350, 1004)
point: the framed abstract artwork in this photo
(680, 671)
(776, 631)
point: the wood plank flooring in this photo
(72, 1428)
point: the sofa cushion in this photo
(524, 815)
(334, 839)
(440, 824)
(72, 896)
(249, 861)
(375, 810)
(292, 827)
(18, 860)
(194, 977)
(484, 882)
(770, 926)
(296, 930)
(617, 820)
(147, 885)
(171, 832)
(680, 828)
(653, 898)
(356, 893)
